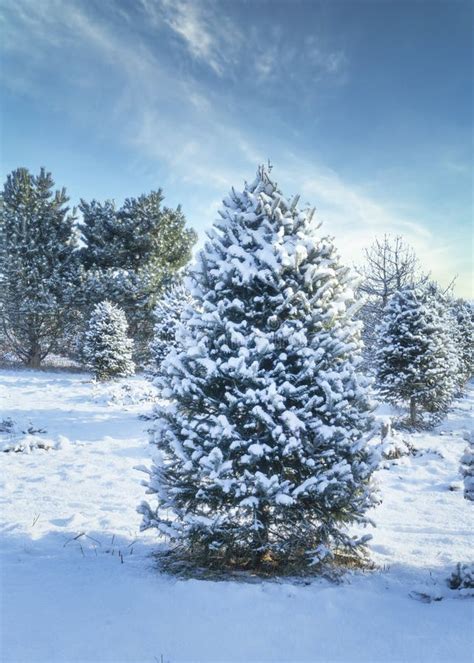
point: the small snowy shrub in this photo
(7, 425)
(27, 444)
(416, 360)
(392, 444)
(17, 439)
(106, 348)
(261, 457)
(463, 579)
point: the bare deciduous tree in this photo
(390, 265)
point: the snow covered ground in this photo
(78, 582)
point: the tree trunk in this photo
(34, 357)
(412, 411)
(261, 539)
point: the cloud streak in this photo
(178, 123)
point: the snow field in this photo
(79, 583)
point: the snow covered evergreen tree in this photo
(106, 349)
(168, 311)
(463, 335)
(38, 265)
(416, 360)
(261, 456)
(467, 467)
(129, 254)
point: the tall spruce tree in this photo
(38, 264)
(129, 254)
(260, 451)
(416, 359)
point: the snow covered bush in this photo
(106, 348)
(416, 360)
(392, 443)
(261, 454)
(463, 579)
(23, 439)
(168, 313)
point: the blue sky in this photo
(365, 108)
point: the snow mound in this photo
(126, 393)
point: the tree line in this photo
(55, 267)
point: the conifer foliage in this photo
(129, 253)
(467, 468)
(416, 359)
(260, 452)
(168, 311)
(38, 265)
(463, 335)
(106, 349)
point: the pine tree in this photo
(463, 333)
(260, 452)
(38, 264)
(106, 349)
(467, 468)
(168, 311)
(416, 360)
(129, 253)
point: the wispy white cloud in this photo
(331, 61)
(178, 124)
(355, 218)
(212, 37)
(207, 33)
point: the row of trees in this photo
(54, 269)
(417, 337)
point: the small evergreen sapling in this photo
(462, 579)
(107, 350)
(467, 468)
(261, 458)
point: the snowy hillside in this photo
(79, 582)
